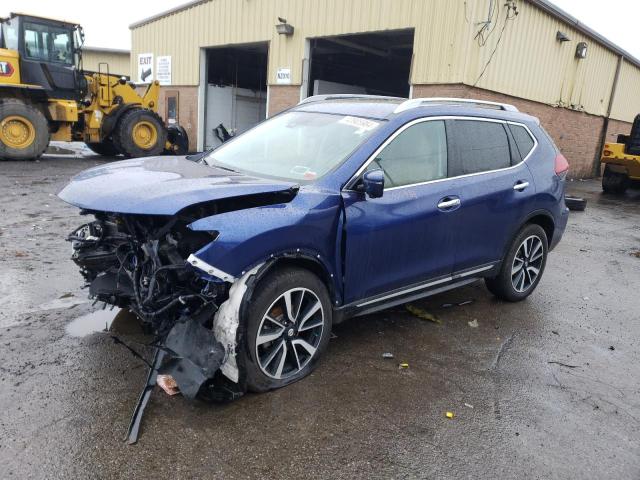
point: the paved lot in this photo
(554, 382)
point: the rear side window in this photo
(523, 139)
(480, 147)
(418, 154)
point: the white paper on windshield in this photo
(361, 124)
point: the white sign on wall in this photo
(145, 68)
(283, 76)
(163, 70)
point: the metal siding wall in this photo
(529, 62)
(118, 62)
(626, 104)
(438, 50)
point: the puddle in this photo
(116, 320)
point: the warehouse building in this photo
(233, 62)
(116, 61)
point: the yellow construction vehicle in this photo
(622, 161)
(46, 95)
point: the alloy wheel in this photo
(289, 333)
(527, 263)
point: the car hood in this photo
(160, 186)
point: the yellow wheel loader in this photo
(46, 95)
(622, 161)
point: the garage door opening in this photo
(376, 63)
(236, 96)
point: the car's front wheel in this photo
(523, 265)
(288, 326)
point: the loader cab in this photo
(49, 53)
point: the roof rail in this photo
(346, 96)
(419, 102)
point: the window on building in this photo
(418, 154)
(523, 139)
(480, 147)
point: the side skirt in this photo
(415, 292)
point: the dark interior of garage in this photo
(242, 66)
(376, 63)
(236, 93)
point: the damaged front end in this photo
(139, 262)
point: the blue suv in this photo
(241, 259)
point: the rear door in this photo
(495, 188)
(403, 237)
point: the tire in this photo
(24, 131)
(614, 182)
(505, 286)
(575, 204)
(106, 148)
(177, 136)
(140, 133)
(264, 367)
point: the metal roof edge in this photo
(166, 13)
(557, 12)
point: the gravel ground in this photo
(548, 388)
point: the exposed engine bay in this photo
(139, 262)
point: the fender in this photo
(304, 229)
(518, 226)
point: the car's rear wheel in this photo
(523, 265)
(288, 326)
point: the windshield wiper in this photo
(217, 165)
(196, 157)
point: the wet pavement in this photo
(548, 388)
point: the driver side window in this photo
(418, 154)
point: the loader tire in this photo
(106, 148)
(24, 131)
(140, 133)
(614, 182)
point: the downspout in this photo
(605, 128)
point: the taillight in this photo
(562, 166)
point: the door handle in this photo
(448, 203)
(520, 186)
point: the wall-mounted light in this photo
(283, 28)
(581, 50)
(562, 37)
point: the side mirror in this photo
(373, 183)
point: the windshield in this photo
(48, 43)
(9, 35)
(299, 146)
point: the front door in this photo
(405, 236)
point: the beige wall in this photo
(529, 62)
(119, 63)
(625, 105)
